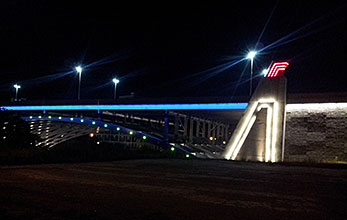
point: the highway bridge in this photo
(236, 128)
(189, 127)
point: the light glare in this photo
(115, 80)
(251, 55)
(265, 71)
(78, 69)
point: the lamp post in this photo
(16, 87)
(79, 70)
(115, 81)
(251, 56)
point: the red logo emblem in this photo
(276, 68)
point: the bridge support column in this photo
(197, 133)
(166, 128)
(185, 126)
(226, 135)
(212, 132)
(209, 130)
(222, 132)
(259, 133)
(191, 130)
(218, 131)
(203, 134)
(176, 126)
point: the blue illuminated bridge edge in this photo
(203, 106)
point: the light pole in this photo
(16, 87)
(115, 81)
(251, 56)
(79, 70)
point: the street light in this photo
(17, 87)
(251, 56)
(79, 70)
(115, 81)
(265, 71)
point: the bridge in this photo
(190, 128)
(242, 128)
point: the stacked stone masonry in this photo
(316, 134)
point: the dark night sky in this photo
(167, 49)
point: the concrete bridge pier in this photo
(259, 133)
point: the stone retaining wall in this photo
(316, 133)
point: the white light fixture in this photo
(115, 81)
(79, 71)
(251, 56)
(16, 86)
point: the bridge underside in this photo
(195, 135)
(53, 133)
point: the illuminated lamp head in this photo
(251, 55)
(78, 69)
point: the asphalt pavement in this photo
(173, 189)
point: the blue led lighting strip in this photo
(206, 106)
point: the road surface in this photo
(172, 189)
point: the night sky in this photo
(168, 49)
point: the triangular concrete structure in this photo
(259, 134)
